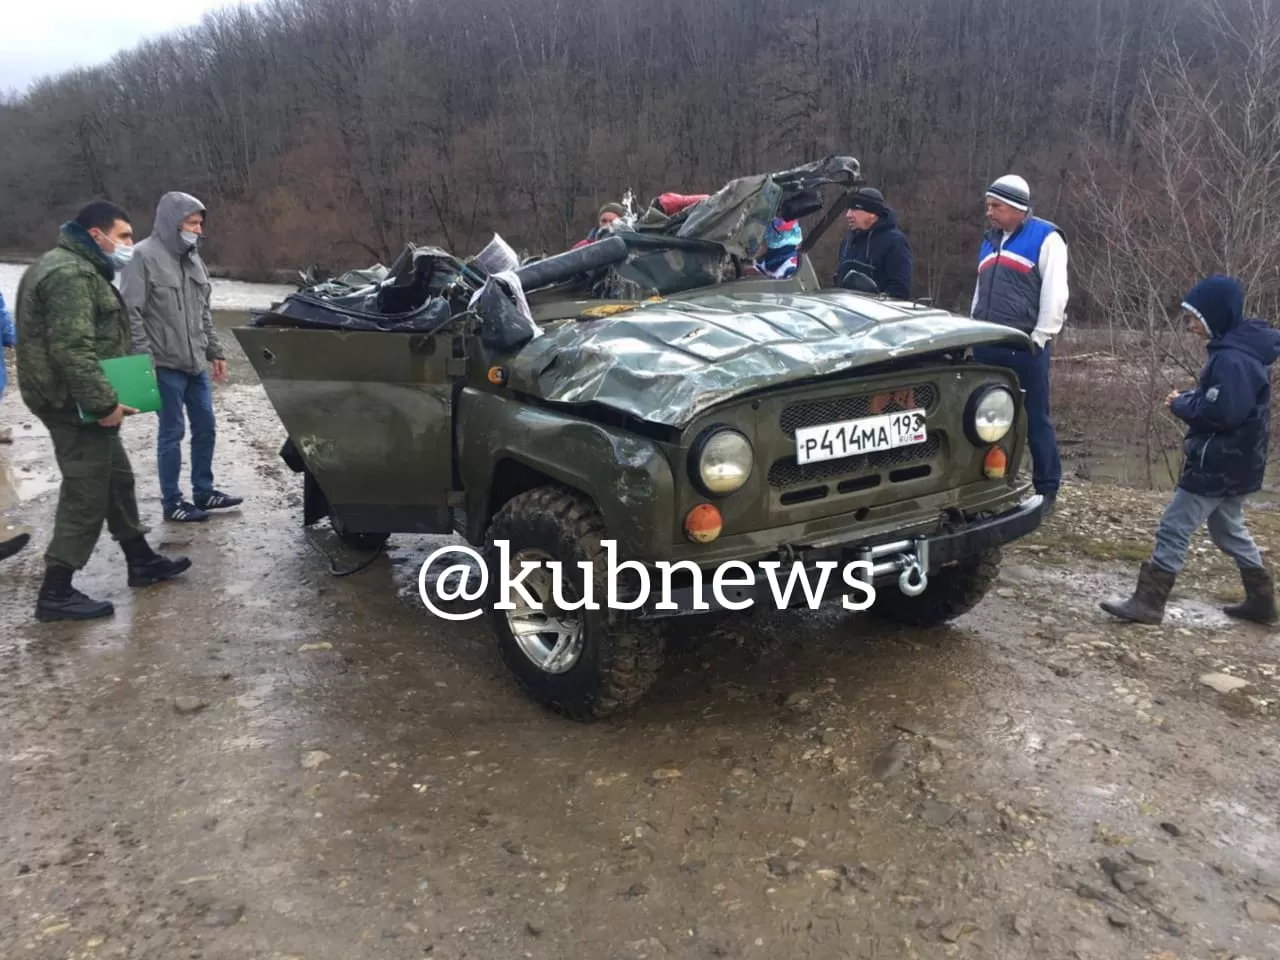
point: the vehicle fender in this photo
(506, 447)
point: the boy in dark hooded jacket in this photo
(1228, 417)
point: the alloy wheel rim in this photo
(551, 639)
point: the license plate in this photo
(850, 438)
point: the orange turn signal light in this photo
(995, 463)
(498, 375)
(702, 524)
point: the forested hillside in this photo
(337, 130)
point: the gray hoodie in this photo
(166, 289)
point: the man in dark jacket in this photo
(1228, 419)
(70, 317)
(875, 245)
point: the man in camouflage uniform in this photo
(69, 318)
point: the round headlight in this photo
(724, 462)
(993, 415)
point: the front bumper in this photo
(907, 562)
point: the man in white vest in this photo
(1022, 283)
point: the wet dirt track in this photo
(265, 761)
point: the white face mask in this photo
(190, 239)
(121, 255)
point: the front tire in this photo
(582, 664)
(951, 592)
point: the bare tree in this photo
(1199, 194)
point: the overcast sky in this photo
(41, 37)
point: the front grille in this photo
(923, 395)
(786, 473)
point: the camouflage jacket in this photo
(69, 317)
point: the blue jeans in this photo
(1185, 515)
(1032, 370)
(184, 396)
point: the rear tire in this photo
(584, 664)
(951, 592)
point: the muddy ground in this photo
(265, 761)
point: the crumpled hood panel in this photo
(669, 361)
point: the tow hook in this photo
(910, 561)
(913, 580)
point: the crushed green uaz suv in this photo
(652, 391)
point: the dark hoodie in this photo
(1229, 412)
(167, 291)
(883, 253)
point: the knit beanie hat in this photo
(871, 200)
(1013, 190)
(617, 208)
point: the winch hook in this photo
(913, 580)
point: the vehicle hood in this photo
(667, 362)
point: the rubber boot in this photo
(59, 600)
(1149, 597)
(146, 567)
(1259, 597)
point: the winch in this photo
(910, 559)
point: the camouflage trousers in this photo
(97, 486)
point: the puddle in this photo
(17, 487)
(8, 489)
(27, 468)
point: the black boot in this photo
(1148, 600)
(1259, 597)
(147, 567)
(58, 600)
(14, 544)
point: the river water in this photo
(1104, 458)
(227, 294)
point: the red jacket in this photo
(673, 203)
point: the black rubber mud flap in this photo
(293, 460)
(315, 505)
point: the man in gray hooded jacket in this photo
(166, 289)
